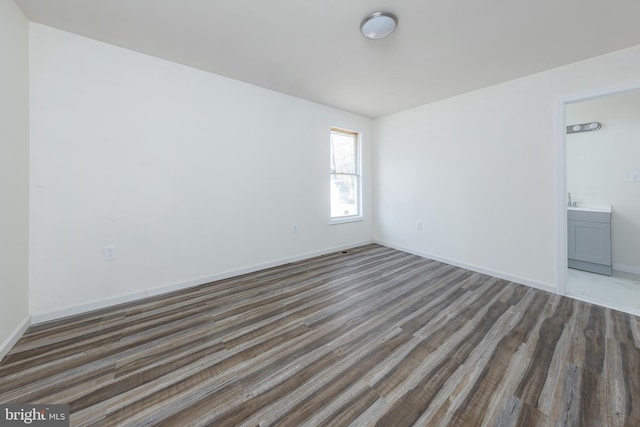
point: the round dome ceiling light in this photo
(378, 25)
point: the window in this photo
(345, 180)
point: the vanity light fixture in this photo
(584, 127)
(378, 25)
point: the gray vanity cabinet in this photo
(590, 241)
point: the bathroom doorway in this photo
(602, 175)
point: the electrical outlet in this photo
(294, 229)
(109, 252)
(634, 177)
(419, 225)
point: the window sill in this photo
(345, 220)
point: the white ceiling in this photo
(314, 50)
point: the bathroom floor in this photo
(621, 291)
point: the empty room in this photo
(328, 213)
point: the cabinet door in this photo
(590, 241)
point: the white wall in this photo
(479, 171)
(599, 165)
(190, 175)
(14, 172)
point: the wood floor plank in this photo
(630, 357)
(487, 386)
(530, 388)
(367, 336)
(351, 409)
(568, 414)
(421, 395)
(595, 338)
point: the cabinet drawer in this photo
(589, 216)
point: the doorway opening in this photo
(598, 168)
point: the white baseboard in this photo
(626, 268)
(13, 338)
(108, 302)
(476, 268)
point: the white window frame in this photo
(358, 174)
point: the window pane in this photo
(343, 152)
(344, 195)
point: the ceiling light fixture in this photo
(378, 25)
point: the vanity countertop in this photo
(590, 207)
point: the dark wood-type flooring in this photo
(373, 336)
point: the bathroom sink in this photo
(590, 207)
